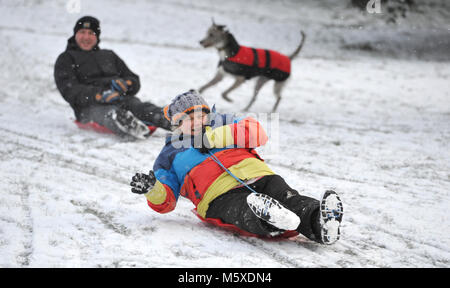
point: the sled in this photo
(93, 126)
(234, 229)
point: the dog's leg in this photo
(277, 87)
(214, 81)
(259, 83)
(238, 82)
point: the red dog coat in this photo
(250, 62)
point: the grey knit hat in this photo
(184, 104)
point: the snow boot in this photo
(272, 211)
(331, 212)
(129, 124)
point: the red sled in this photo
(235, 229)
(93, 126)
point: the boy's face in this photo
(192, 124)
(86, 39)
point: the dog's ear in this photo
(218, 27)
(221, 27)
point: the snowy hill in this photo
(366, 112)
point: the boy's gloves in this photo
(205, 144)
(142, 183)
(107, 96)
(120, 85)
(219, 137)
(204, 149)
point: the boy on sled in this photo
(210, 159)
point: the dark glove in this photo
(107, 96)
(205, 145)
(142, 183)
(204, 150)
(120, 85)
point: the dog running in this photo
(244, 63)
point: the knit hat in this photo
(88, 22)
(184, 104)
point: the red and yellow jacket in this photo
(180, 169)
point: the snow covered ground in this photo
(366, 112)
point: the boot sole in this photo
(331, 213)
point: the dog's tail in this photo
(293, 55)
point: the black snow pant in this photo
(232, 208)
(147, 112)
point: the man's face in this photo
(86, 39)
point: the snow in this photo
(366, 113)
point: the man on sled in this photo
(101, 89)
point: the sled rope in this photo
(215, 159)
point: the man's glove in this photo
(142, 183)
(120, 85)
(107, 96)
